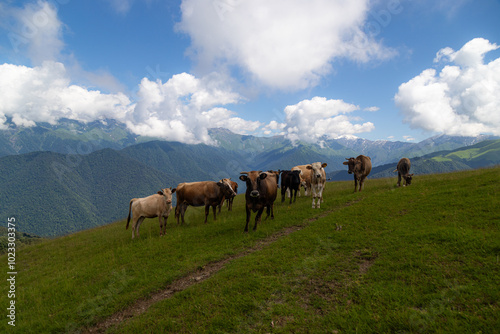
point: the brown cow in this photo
(262, 189)
(403, 170)
(203, 193)
(360, 167)
(305, 178)
(157, 205)
(318, 181)
(229, 200)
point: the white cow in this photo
(318, 180)
(157, 205)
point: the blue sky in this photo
(310, 70)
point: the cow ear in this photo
(345, 163)
(411, 174)
(160, 192)
(324, 164)
(243, 178)
(262, 176)
(173, 190)
(309, 167)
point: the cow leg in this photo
(283, 191)
(257, 218)
(399, 179)
(248, 218)
(160, 217)
(295, 195)
(134, 224)
(355, 184)
(177, 213)
(139, 222)
(207, 211)
(183, 211)
(215, 216)
(361, 181)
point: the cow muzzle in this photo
(254, 193)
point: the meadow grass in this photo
(416, 259)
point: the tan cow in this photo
(360, 167)
(262, 189)
(229, 200)
(203, 193)
(305, 178)
(157, 205)
(318, 181)
(403, 169)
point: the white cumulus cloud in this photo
(45, 94)
(316, 119)
(184, 108)
(461, 99)
(284, 44)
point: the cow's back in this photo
(271, 187)
(196, 193)
(367, 164)
(404, 166)
(148, 206)
(306, 173)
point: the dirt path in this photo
(183, 283)
(198, 276)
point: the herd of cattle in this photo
(261, 192)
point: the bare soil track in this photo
(197, 276)
(183, 283)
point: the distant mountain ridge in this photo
(73, 137)
(74, 176)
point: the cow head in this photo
(167, 193)
(226, 188)
(252, 180)
(408, 179)
(353, 164)
(316, 168)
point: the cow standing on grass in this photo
(403, 170)
(157, 205)
(203, 193)
(262, 189)
(229, 200)
(318, 181)
(305, 178)
(290, 184)
(360, 167)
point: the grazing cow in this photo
(157, 205)
(403, 170)
(261, 193)
(204, 193)
(305, 178)
(229, 200)
(318, 181)
(290, 181)
(360, 167)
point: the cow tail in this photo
(129, 211)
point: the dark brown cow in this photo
(204, 193)
(290, 181)
(157, 205)
(403, 170)
(360, 167)
(262, 189)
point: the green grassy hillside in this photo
(416, 259)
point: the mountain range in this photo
(57, 179)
